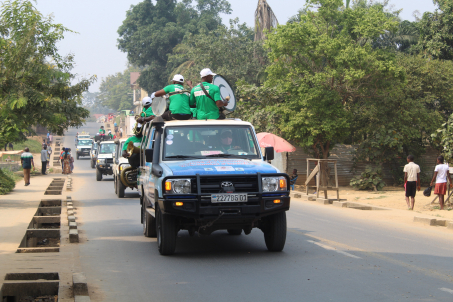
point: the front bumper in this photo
(105, 168)
(199, 206)
(83, 153)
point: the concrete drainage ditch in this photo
(55, 187)
(43, 232)
(26, 287)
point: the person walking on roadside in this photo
(71, 160)
(66, 162)
(26, 159)
(49, 153)
(50, 138)
(441, 172)
(44, 159)
(411, 181)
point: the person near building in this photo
(49, 153)
(26, 160)
(44, 159)
(411, 181)
(179, 108)
(293, 179)
(147, 113)
(66, 168)
(441, 173)
(50, 138)
(206, 97)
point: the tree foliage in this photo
(151, 31)
(436, 31)
(35, 79)
(323, 64)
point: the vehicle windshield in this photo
(107, 148)
(83, 136)
(223, 141)
(84, 142)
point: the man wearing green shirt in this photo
(136, 140)
(207, 104)
(179, 100)
(102, 131)
(147, 113)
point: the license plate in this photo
(215, 198)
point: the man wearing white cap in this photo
(147, 113)
(179, 99)
(207, 98)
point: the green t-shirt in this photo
(147, 112)
(206, 108)
(179, 103)
(101, 131)
(136, 140)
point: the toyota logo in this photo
(226, 184)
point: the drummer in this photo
(179, 100)
(207, 104)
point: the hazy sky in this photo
(97, 21)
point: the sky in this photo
(95, 45)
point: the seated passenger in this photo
(226, 142)
(208, 103)
(179, 100)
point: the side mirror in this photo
(116, 161)
(149, 155)
(269, 153)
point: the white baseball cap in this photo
(147, 101)
(178, 78)
(205, 72)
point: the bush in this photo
(370, 179)
(7, 182)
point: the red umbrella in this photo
(271, 140)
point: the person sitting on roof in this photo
(147, 113)
(206, 97)
(179, 99)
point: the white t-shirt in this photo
(441, 173)
(412, 169)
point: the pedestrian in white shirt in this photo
(441, 172)
(411, 180)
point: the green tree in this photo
(151, 31)
(35, 79)
(229, 51)
(322, 65)
(115, 91)
(436, 31)
(444, 136)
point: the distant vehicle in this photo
(104, 161)
(122, 171)
(82, 136)
(83, 147)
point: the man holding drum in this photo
(207, 97)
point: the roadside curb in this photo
(434, 222)
(341, 204)
(80, 287)
(73, 231)
(69, 184)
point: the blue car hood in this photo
(220, 166)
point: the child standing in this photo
(441, 172)
(411, 180)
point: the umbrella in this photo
(271, 140)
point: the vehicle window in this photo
(107, 148)
(150, 142)
(210, 141)
(84, 142)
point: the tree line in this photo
(35, 79)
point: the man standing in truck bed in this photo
(207, 97)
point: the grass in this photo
(33, 145)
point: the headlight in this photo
(101, 161)
(122, 167)
(77, 149)
(178, 186)
(272, 184)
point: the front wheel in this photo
(120, 188)
(166, 233)
(149, 223)
(77, 156)
(98, 175)
(92, 164)
(275, 232)
(114, 185)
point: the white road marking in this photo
(447, 290)
(334, 249)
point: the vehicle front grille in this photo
(242, 184)
(109, 160)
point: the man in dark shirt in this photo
(26, 160)
(293, 179)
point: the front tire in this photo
(149, 224)
(92, 164)
(275, 232)
(77, 156)
(120, 188)
(114, 185)
(166, 233)
(98, 175)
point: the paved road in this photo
(329, 256)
